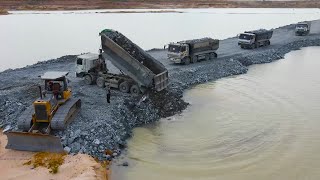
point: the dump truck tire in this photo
(195, 59)
(135, 90)
(186, 61)
(101, 82)
(124, 87)
(88, 80)
(213, 56)
(207, 58)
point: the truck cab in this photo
(302, 28)
(177, 51)
(85, 63)
(246, 39)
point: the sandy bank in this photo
(80, 166)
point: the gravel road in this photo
(100, 126)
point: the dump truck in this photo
(192, 51)
(139, 70)
(53, 110)
(255, 39)
(303, 28)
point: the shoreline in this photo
(3, 12)
(46, 5)
(112, 124)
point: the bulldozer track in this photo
(65, 114)
(24, 121)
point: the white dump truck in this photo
(192, 51)
(303, 28)
(255, 39)
(139, 70)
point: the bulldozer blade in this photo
(25, 141)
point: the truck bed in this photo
(201, 45)
(133, 61)
(262, 34)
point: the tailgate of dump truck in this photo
(161, 81)
(133, 61)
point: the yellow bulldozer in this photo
(53, 110)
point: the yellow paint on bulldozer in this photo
(67, 94)
(47, 111)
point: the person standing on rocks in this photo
(108, 93)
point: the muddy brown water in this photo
(260, 125)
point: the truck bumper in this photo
(175, 60)
(244, 45)
(301, 33)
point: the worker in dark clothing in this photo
(50, 84)
(108, 93)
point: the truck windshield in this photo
(79, 61)
(302, 25)
(245, 36)
(174, 48)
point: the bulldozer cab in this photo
(56, 83)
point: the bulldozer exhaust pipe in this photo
(40, 91)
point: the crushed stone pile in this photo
(126, 44)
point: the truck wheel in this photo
(207, 58)
(101, 82)
(195, 59)
(213, 55)
(124, 87)
(268, 43)
(88, 79)
(135, 90)
(186, 61)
